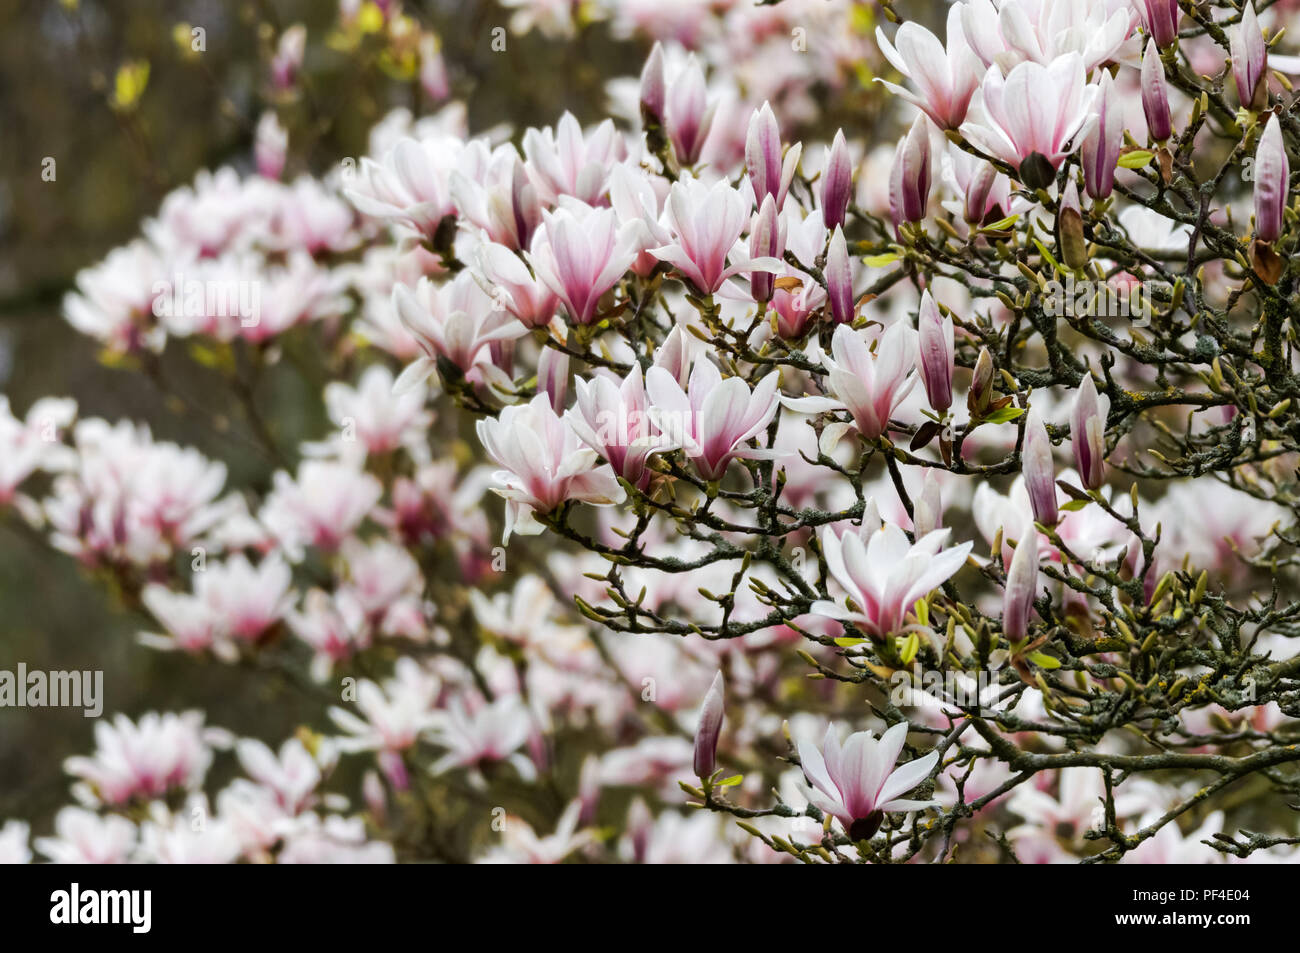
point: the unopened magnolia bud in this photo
(710, 727)
(837, 182)
(839, 279)
(909, 180)
(1069, 228)
(981, 385)
(1250, 60)
(1155, 94)
(1088, 433)
(1039, 469)
(935, 339)
(1272, 181)
(1022, 580)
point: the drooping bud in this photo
(710, 727)
(433, 68)
(1272, 182)
(1039, 469)
(1250, 60)
(837, 182)
(981, 385)
(1069, 228)
(1101, 147)
(1022, 581)
(766, 239)
(909, 180)
(1160, 17)
(839, 279)
(927, 510)
(935, 339)
(1088, 433)
(1155, 94)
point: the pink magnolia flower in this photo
(935, 336)
(769, 172)
(1013, 31)
(837, 182)
(613, 418)
(376, 417)
(475, 733)
(857, 782)
(1160, 17)
(869, 386)
(565, 162)
(410, 185)
(543, 464)
(1272, 182)
(945, 78)
(84, 837)
(909, 178)
(884, 574)
(144, 759)
(454, 321)
(321, 506)
(1034, 117)
(688, 114)
(1101, 147)
(1088, 432)
(713, 417)
(580, 253)
(706, 223)
(494, 192)
(514, 287)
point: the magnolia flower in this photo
(1272, 182)
(500, 198)
(1160, 17)
(909, 178)
(1155, 94)
(710, 726)
(1021, 585)
(270, 143)
(688, 115)
(857, 782)
(321, 507)
(766, 239)
(839, 279)
(580, 253)
(613, 418)
(543, 464)
(514, 287)
(713, 417)
(521, 844)
(706, 222)
(1249, 60)
(83, 837)
(1034, 117)
(479, 733)
(935, 336)
(410, 184)
(454, 321)
(945, 78)
(565, 162)
(372, 415)
(1088, 433)
(884, 574)
(1101, 147)
(837, 182)
(143, 759)
(1039, 469)
(769, 173)
(869, 386)
(1044, 30)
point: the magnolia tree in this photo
(699, 494)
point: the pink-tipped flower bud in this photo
(766, 240)
(710, 727)
(1250, 60)
(935, 340)
(1160, 17)
(837, 182)
(1021, 585)
(553, 377)
(1088, 433)
(652, 84)
(839, 279)
(1101, 147)
(768, 172)
(1272, 182)
(1039, 469)
(688, 115)
(927, 509)
(1155, 94)
(909, 180)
